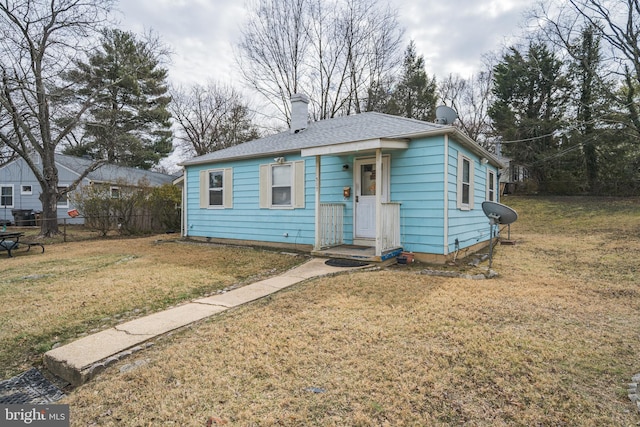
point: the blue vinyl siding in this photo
(18, 174)
(417, 183)
(246, 220)
(471, 226)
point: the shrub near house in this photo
(129, 208)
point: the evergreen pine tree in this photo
(415, 94)
(531, 95)
(129, 123)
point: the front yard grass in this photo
(77, 288)
(553, 340)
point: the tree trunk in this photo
(49, 197)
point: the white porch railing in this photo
(331, 224)
(390, 226)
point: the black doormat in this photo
(335, 262)
(30, 387)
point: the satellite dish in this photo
(497, 214)
(445, 115)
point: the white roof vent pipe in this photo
(299, 112)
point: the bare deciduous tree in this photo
(211, 118)
(333, 51)
(471, 99)
(39, 40)
(619, 21)
(616, 23)
(272, 50)
(601, 38)
(620, 24)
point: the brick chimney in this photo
(299, 112)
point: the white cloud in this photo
(199, 33)
(451, 35)
(454, 35)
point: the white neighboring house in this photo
(20, 190)
(512, 174)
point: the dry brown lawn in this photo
(552, 341)
(79, 287)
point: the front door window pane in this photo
(368, 177)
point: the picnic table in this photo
(11, 240)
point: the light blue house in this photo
(20, 190)
(365, 186)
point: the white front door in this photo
(365, 195)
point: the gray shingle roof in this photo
(359, 127)
(111, 173)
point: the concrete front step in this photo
(359, 253)
(81, 360)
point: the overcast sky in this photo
(452, 35)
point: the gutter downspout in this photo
(183, 216)
(316, 243)
(445, 230)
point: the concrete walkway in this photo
(81, 360)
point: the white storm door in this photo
(365, 200)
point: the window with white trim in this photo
(115, 192)
(491, 185)
(26, 190)
(216, 188)
(465, 182)
(6, 196)
(515, 173)
(282, 185)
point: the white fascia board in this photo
(179, 180)
(356, 147)
(193, 162)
